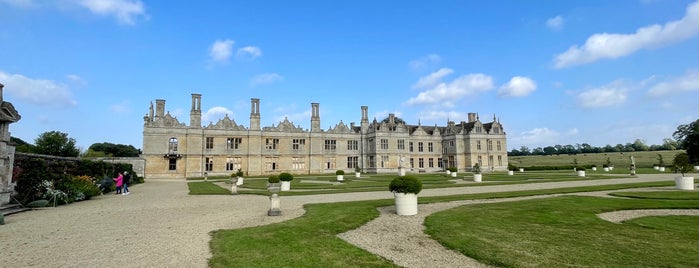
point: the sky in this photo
(552, 72)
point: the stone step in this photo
(12, 209)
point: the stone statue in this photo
(8, 115)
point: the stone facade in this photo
(175, 150)
(8, 115)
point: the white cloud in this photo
(688, 82)
(442, 116)
(267, 78)
(433, 78)
(76, 79)
(536, 137)
(214, 114)
(425, 62)
(380, 115)
(125, 11)
(221, 50)
(610, 46)
(249, 52)
(39, 92)
(120, 108)
(612, 94)
(518, 86)
(555, 23)
(448, 93)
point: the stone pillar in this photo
(275, 205)
(254, 114)
(195, 113)
(315, 117)
(8, 115)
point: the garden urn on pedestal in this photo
(580, 171)
(234, 184)
(239, 174)
(453, 171)
(477, 176)
(274, 186)
(405, 190)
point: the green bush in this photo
(239, 173)
(273, 179)
(406, 184)
(38, 203)
(477, 168)
(340, 172)
(2, 219)
(681, 163)
(453, 169)
(286, 176)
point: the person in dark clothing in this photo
(127, 181)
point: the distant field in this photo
(619, 160)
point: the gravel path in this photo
(160, 225)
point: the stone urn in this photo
(234, 185)
(406, 203)
(510, 172)
(684, 183)
(581, 173)
(478, 177)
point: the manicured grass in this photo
(673, 195)
(565, 232)
(205, 188)
(621, 161)
(310, 241)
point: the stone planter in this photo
(521, 170)
(448, 172)
(240, 181)
(661, 169)
(656, 167)
(357, 174)
(406, 204)
(510, 172)
(477, 177)
(340, 177)
(594, 168)
(696, 167)
(611, 168)
(286, 186)
(684, 183)
(581, 173)
(453, 174)
(606, 169)
(274, 187)
(275, 202)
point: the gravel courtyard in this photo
(160, 225)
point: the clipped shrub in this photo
(681, 163)
(273, 179)
(340, 172)
(477, 168)
(38, 203)
(239, 173)
(453, 169)
(406, 184)
(286, 176)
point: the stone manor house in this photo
(174, 150)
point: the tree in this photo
(115, 150)
(21, 145)
(687, 137)
(55, 143)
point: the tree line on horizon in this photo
(57, 143)
(686, 137)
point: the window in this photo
(371, 145)
(271, 144)
(478, 145)
(352, 145)
(209, 164)
(173, 164)
(479, 129)
(480, 160)
(451, 162)
(298, 163)
(209, 142)
(496, 130)
(353, 162)
(419, 146)
(499, 160)
(430, 162)
(490, 160)
(172, 146)
(371, 161)
(401, 144)
(330, 163)
(499, 146)
(490, 145)
(330, 144)
(233, 163)
(384, 144)
(271, 163)
(439, 162)
(421, 163)
(410, 144)
(412, 163)
(384, 160)
(430, 147)
(298, 144)
(451, 143)
(234, 143)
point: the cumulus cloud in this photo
(433, 78)
(555, 23)
(267, 78)
(425, 62)
(536, 136)
(120, 108)
(380, 115)
(442, 116)
(612, 94)
(687, 82)
(221, 50)
(214, 114)
(20, 3)
(249, 52)
(447, 93)
(125, 11)
(40, 92)
(611, 46)
(518, 86)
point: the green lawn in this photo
(621, 161)
(565, 232)
(310, 241)
(205, 188)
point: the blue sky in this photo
(553, 72)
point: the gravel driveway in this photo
(160, 225)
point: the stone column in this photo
(8, 115)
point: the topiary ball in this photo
(406, 184)
(273, 179)
(286, 176)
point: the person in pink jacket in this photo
(119, 181)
